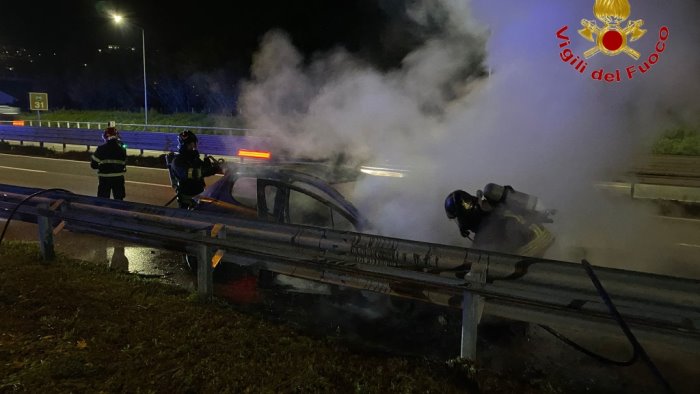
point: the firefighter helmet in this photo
(110, 133)
(465, 208)
(185, 138)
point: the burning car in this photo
(301, 193)
(294, 193)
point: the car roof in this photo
(325, 171)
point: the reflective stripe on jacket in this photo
(190, 171)
(540, 240)
(109, 159)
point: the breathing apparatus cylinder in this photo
(515, 200)
(169, 158)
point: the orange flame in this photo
(258, 154)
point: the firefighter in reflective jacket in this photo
(110, 162)
(502, 220)
(188, 171)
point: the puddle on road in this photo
(137, 259)
(164, 265)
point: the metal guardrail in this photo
(548, 292)
(67, 124)
(668, 170)
(650, 169)
(226, 145)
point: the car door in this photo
(294, 205)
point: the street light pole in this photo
(145, 89)
(118, 19)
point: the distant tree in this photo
(172, 94)
(219, 92)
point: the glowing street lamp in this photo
(118, 20)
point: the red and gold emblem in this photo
(611, 39)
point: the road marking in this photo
(692, 220)
(156, 184)
(149, 184)
(689, 245)
(21, 169)
(614, 185)
(76, 161)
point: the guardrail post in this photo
(472, 307)
(45, 237)
(205, 274)
(470, 322)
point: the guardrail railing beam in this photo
(214, 144)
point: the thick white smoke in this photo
(534, 123)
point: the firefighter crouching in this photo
(187, 170)
(502, 220)
(109, 160)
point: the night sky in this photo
(207, 34)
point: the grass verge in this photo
(678, 142)
(71, 326)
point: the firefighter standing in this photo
(109, 160)
(188, 170)
(501, 219)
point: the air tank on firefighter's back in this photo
(509, 196)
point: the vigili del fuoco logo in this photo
(611, 39)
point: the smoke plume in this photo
(485, 97)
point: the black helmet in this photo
(465, 208)
(185, 138)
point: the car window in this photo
(244, 191)
(311, 189)
(306, 210)
(270, 194)
(341, 223)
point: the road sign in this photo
(38, 101)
